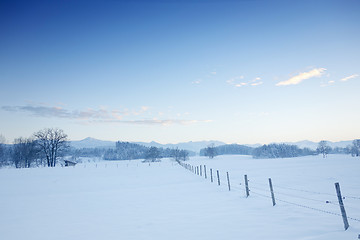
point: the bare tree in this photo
(52, 142)
(184, 155)
(323, 148)
(2, 139)
(175, 153)
(355, 148)
(24, 152)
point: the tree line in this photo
(281, 150)
(129, 151)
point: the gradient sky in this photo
(173, 71)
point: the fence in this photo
(288, 195)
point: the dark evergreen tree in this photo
(210, 151)
(152, 155)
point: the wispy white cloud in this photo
(163, 122)
(239, 82)
(256, 83)
(59, 112)
(331, 82)
(142, 110)
(233, 80)
(317, 72)
(197, 81)
(349, 77)
(101, 115)
(213, 73)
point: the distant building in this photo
(69, 163)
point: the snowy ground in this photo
(132, 200)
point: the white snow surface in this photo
(162, 201)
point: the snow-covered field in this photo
(134, 200)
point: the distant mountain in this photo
(340, 144)
(191, 146)
(253, 145)
(92, 143)
(305, 144)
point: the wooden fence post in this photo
(205, 171)
(200, 170)
(228, 179)
(246, 186)
(212, 180)
(272, 192)
(218, 177)
(342, 208)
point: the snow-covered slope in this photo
(134, 200)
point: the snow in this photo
(134, 200)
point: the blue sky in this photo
(172, 71)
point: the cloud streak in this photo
(59, 112)
(317, 72)
(349, 77)
(331, 82)
(238, 82)
(101, 115)
(166, 122)
(198, 81)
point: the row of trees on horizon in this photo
(47, 146)
(282, 150)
